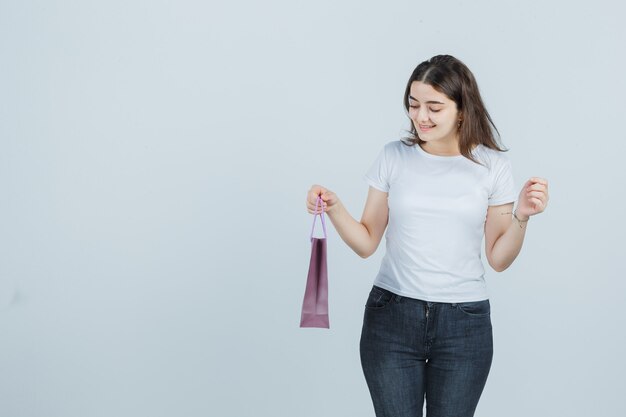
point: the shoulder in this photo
(393, 144)
(397, 148)
(493, 158)
(392, 149)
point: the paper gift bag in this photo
(315, 304)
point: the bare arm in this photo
(503, 236)
(362, 237)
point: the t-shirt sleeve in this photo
(378, 174)
(503, 184)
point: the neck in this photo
(442, 148)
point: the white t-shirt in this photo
(437, 213)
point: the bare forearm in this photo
(354, 233)
(509, 245)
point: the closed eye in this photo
(432, 110)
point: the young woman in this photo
(427, 331)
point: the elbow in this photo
(496, 267)
(366, 252)
(499, 268)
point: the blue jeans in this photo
(414, 350)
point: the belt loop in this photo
(398, 297)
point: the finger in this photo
(312, 206)
(538, 194)
(314, 196)
(538, 202)
(539, 180)
(538, 187)
(317, 190)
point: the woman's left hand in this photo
(533, 198)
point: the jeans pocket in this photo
(475, 308)
(378, 298)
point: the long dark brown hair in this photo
(451, 77)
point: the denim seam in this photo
(380, 296)
(460, 308)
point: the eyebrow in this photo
(431, 101)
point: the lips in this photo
(426, 128)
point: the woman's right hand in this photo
(329, 199)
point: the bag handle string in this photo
(321, 214)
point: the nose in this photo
(422, 116)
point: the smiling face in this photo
(434, 116)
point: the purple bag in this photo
(315, 304)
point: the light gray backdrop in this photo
(154, 162)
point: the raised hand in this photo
(533, 198)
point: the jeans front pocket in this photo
(378, 298)
(475, 308)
